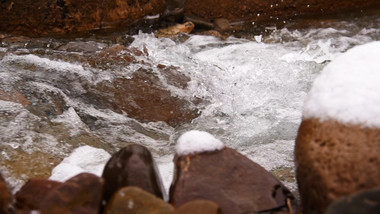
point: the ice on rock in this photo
(83, 159)
(348, 89)
(196, 141)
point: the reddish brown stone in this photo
(33, 192)
(14, 96)
(173, 77)
(199, 207)
(80, 194)
(334, 160)
(47, 17)
(228, 178)
(6, 198)
(133, 200)
(258, 10)
(142, 97)
(132, 166)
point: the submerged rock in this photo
(205, 169)
(33, 192)
(6, 198)
(80, 194)
(41, 18)
(132, 166)
(134, 200)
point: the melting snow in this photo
(195, 141)
(83, 159)
(348, 88)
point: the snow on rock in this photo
(348, 89)
(82, 159)
(196, 141)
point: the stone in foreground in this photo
(133, 200)
(205, 169)
(132, 166)
(364, 202)
(199, 207)
(6, 198)
(80, 194)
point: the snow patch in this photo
(196, 141)
(83, 159)
(348, 89)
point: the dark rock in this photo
(33, 192)
(51, 17)
(133, 200)
(132, 166)
(86, 47)
(199, 207)
(257, 10)
(173, 77)
(6, 198)
(230, 179)
(334, 160)
(80, 194)
(364, 202)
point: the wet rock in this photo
(364, 202)
(132, 166)
(215, 34)
(231, 180)
(80, 194)
(134, 200)
(222, 24)
(172, 31)
(86, 47)
(256, 10)
(14, 96)
(40, 18)
(130, 95)
(199, 207)
(33, 192)
(173, 77)
(334, 160)
(6, 198)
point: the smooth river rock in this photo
(133, 200)
(80, 194)
(234, 182)
(199, 207)
(59, 17)
(335, 160)
(33, 192)
(132, 166)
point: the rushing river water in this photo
(253, 92)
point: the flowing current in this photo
(252, 90)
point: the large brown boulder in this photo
(33, 192)
(133, 200)
(6, 198)
(334, 160)
(132, 166)
(40, 18)
(258, 10)
(199, 207)
(338, 143)
(80, 194)
(228, 178)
